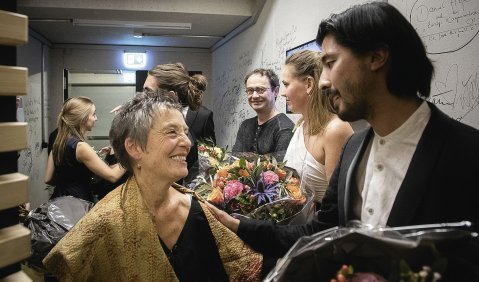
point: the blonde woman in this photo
(319, 134)
(72, 161)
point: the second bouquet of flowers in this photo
(258, 187)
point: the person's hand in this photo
(108, 150)
(227, 220)
(115, 110)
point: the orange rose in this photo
(243, 172)
(223, 172)
(294, 190)
(281, 174)
(216, 196)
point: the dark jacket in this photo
(201, 123)
(201, 126)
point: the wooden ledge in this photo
(13, 28)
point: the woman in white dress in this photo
(319, 134)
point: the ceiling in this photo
(212, 22)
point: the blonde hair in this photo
(319, 111)
(71, 121)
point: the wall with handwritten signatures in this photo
(282, 25)
(449, 29)
(32, 160)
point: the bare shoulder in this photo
(337, 129)
(83, 145)
(84, 151)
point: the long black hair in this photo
(368, 27)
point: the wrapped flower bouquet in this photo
(254, 186)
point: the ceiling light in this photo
(131, 24)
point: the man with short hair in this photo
(270, 131)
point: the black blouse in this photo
(195, 255)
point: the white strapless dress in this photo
(311, 172)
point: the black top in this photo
(195, 255)
(72, 178)
(51, 139)
(272, 137)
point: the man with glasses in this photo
(270, 131)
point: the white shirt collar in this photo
(185, 111)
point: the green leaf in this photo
(274, 163)
(242, 162)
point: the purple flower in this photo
(264, 193)
(269, 177)
(232, 189)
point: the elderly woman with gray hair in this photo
(150, 228)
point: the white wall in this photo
(32, 161)
(449, 31)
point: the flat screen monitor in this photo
(310, 45)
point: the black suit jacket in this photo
(441, 185)
(201, 126)
(201, 123)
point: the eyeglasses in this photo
(259, 90)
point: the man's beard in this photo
(355, 109)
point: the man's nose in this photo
(324, 82)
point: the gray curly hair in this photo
(136, 118)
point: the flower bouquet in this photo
(258, 187)
(210, 157)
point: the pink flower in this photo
(269, 177)
(233, 188)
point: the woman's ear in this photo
(379, 58)
(309, 84)
(132, 149)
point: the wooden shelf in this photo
(14, 244)
(14, 190)
(13, 28)
(17, 277)
(13, 81)
(13, 136)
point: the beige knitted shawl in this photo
(117, 241)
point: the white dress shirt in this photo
(386, 167)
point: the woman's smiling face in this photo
(167, 146)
